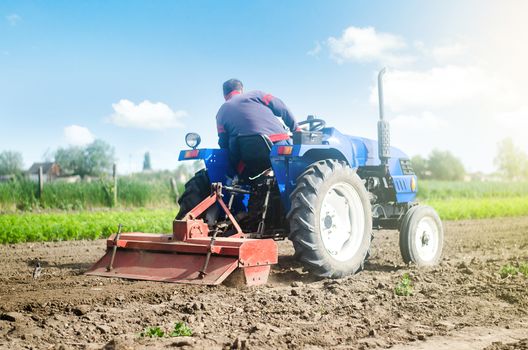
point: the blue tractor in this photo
(326, 193)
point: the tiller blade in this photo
(189, 254)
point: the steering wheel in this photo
(315, 124)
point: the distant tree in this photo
(100, 157)
(94, 159)
(445, 166)
(10, 163)
(420, 167)
(146, 162)
(71, 160)
(511, 161)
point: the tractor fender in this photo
(314, 153)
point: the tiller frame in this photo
(190, 254)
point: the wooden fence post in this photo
(174, 189)
(40, 182)
(114, 175)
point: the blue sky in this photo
(141, 74)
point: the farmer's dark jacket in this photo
(254, 112)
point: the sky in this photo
(142, 74)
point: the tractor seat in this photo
(249, 155)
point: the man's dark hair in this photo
(232, 85)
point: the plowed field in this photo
(461, 304)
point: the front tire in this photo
(330, 219)
(421, 236)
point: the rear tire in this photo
(330, 219)
(421, 236)
(196, 190)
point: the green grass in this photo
(152, 332)
(29, 227)
(479, 208)
(457, 200)
(132, 191)
(452, 200)
(404, 287)
(436, 190)
(510, 270)
(180, 330)
(523, 268)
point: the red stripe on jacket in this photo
(267, 99)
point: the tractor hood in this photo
(357, 151)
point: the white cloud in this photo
(145, 115)
(13, 19)
(418, 133)
(451, 93)
(78, 135)
(437, 87)
(448, 53)
(367, 45)
(425, 121)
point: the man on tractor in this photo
(248, 120)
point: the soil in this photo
(461, 304)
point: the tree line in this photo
(97, 158)
(94, 159)
(511, 163)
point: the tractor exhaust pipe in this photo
(383, 125)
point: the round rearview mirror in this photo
(192, 140)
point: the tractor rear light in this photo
(285, 150)
(191, 154)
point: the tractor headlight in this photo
(192, 140)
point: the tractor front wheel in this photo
(330, 219)
(421, 236)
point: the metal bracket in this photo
(118, 234)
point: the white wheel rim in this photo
(426, 239)
(342, 221)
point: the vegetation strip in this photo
(480, 208)
(31, 227)
(452, 200)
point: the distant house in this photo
(7, 178)
(50, 171)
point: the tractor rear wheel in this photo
(421, 236)
(330, 219)
(196, 190)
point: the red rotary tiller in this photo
(191, 254)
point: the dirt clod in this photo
(104, 329)
(183, 341)
(12, 316)
(81, 310)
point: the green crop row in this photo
(58, 226)
(434, 190)
(479, 208)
